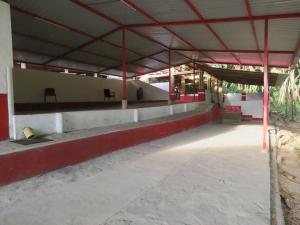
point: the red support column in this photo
(194, 83)
(266, 88)
(4, 120)
(124, 90)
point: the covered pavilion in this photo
(129, 38)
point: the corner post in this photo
(266, 88)
(124, 88)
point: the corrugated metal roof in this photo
(135, 42)
(91, 59)
(163, 36)
(24, 43)
(194, 55)
(198, 35)
(167, 10)
(56, 19)
(268, 7)
(237, 35)
(249, 58)
(33, 26)
(152, 63)
(279, 59)
(110, 51)
(118, 10)
(222, 57)
(220, 8)
(284, 34)
(67, 13)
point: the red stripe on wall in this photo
(4, 125)
(25, 164)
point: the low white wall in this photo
(98, 118)
(153, 112)
(179, 108)
(70, 121)
(192, 106)
(41, 124)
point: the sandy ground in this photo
(212, 175)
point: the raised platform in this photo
(40, 107)
(69, 121)
(23, 162)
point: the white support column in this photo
(136, 115)
(59, 123)
(6, 65)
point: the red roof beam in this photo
(199, 15)
(64, 26)
(144, 13)
(61, 45)
(133, 61)
(218, 20)
(47, 55)
(178, 64)
(248, 64)
(59, 24)
(83, 45)
(233, 50)
(102, 15)
(249, 11)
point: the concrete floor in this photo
(215, 174)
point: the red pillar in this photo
(194, 84)
(266, 88)
(124, 91)
(4, 120)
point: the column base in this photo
(124, 104)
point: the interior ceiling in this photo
(87, 34)
(244, 77)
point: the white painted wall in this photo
(41, 124)
(153, 112)
(29, 87)
(6, 55)
(162, 85)
(70, 121)
(98, 118)
(150, 92)
(252, 106)
(179, 108)
(6, 62)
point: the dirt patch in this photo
(289, 169)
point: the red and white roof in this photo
(87, 34)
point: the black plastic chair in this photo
(109, 94)
(49, 92)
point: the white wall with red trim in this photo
(252, 106)
(50, 123)
(6, 63)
